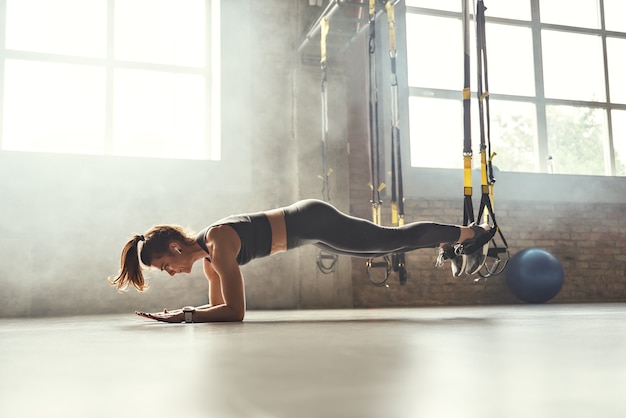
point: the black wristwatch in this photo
(188, 311)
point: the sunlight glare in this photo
(67, 27)
(52, 107)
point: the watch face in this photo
(189, 309)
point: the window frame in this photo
(539, 99)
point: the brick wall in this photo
(588, 239)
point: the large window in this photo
(556, 84)
(110, 77)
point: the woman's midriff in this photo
(279, 230)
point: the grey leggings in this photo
(322, 225)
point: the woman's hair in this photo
(156, 243)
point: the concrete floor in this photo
(513, 361)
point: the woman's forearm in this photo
(219, 313)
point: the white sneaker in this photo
(458, 265)
(457, 262)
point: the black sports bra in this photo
(254, 231)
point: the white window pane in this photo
(514, 136)
(616, 50)
(584, 13)
(510, 60)
(619, 140)
(171, 31)
(576, 138)
(511, 9)
(68, 27)
(449, 5)
(160, 115)
(614, 12)
(573, 66)
(434, 64)
(52, 107)
(436, 132)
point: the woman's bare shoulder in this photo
(224, 237)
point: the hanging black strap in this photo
(325, 262)
(468, 207)
(487, 178)
(397, 190)
(483, 111)
(374, 150)
(376, 184)
(486, 211)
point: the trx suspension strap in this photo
(468, 207)
(375, 184)
(486, 212)
(325, 262)
(397, 194)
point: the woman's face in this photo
(173, 263)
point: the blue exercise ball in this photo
(534, 275)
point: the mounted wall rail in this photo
(348, 18)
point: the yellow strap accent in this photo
(485, 94)
(394, 213)
(372, 7)
(324, 34)
(380, 188)
(492, 198)
(401, 221)
(376, 214)
(466, 94)
(391, 19)
(467, 173)
(483, 165)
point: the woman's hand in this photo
(176, 315)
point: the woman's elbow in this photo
(239, 315)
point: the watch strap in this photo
(189, 317)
